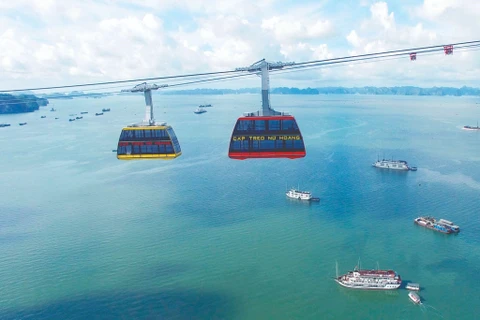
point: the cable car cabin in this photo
(448, 49)
(148, 142)
(413, 56)
(276, 136)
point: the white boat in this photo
(413, 286)
(414, 297)
(300, 195)
(200, 110)
(392, 164)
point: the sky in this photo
(64, 42)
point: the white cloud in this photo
(51, 42)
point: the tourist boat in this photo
(471, 128)
(412, 286)
(301, 195)
(370, 279)
(393, 164)
(200, 110)
(22, 123)
(414, 297)
(106, 110)
(441, 225)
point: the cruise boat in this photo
(200, 110)
(393, 164)
(370, 279)
(412, 286)
(414, 297)
(440, 225)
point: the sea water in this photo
(84, 235)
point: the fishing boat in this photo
(414, 297)
(412, 286)
(200, 110)
(393, 165)
(471, 127)
(440, 225)
(370, 279)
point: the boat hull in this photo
(434, 226)
(368, 287)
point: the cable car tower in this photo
(266, 133)
(148, 139)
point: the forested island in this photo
(20, 103)
(404, 91)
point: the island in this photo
(20, 103)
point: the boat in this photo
(471, 128)
(78, 118)
(43, 117)
(205, 105)
(370, 279)
(200, 110)
(84, 112)
(106, 110)
(72, 119)
(4, 125)
(441, 225)
(301, 195)
(393, 164)
(53, 109)
(414, 297)
(412, 286)
(99, 114)
(22, 123)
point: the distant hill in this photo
(404, 91)
(73, 94)
(20, 103)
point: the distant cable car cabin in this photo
(448, 49)
(413, 56)
(269, 133)
(148, 139)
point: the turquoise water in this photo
(83, 235)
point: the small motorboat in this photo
(412, 168)
(84, 112)
(106, 110)
(412, 286)
(72, 119)
(414, 297)
(99, 114)
(43, 117)
(78, 118)
(22, 123)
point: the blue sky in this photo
(55, 42)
